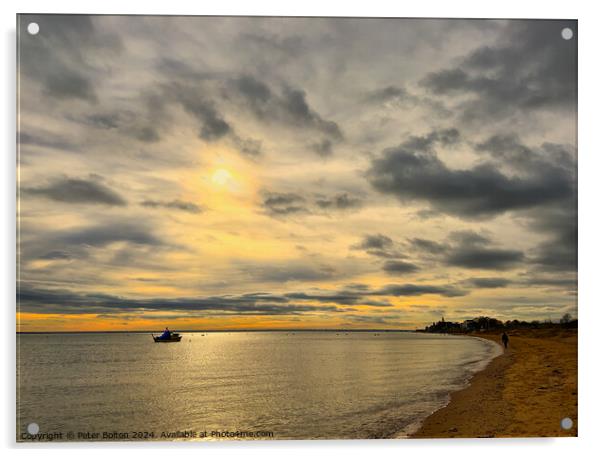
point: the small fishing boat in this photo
(172, 338)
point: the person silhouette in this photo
(505, 340)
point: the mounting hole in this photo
(566, 423)
(567, 33)
(33, 28)
(33, 428)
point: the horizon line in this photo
(221, 330)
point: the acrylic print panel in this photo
(295, 228)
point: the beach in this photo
(525, 392)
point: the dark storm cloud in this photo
(411, 290)
(289, 203)
(213, 126)
(56, 255)
(52, 301)
(376, 241)
(428, 246)
(507, 149)
(351, 296)
(484, 258)
(282, 204)
(34, 299)
(532, 68)
(382, 246)
(115, 243)
(256, 92)
(412, 171)
(342, 297)
(489, 283)
(173, 204)
(558, 254)
(559, 251)
(340, 201)
(358, 287)
(78, 191)
(288, 106)
(295, 103)
(105, 234)
(466, 249)
(375, 303)
(394, 267)
(345, 296)
(378, 245)
(558, 221)
(198, 101)
(444, 137)
(481, 191)
(469, 249)
(468, 237)
(473, 250)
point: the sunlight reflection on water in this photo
(301, 385)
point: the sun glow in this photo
(221, 177)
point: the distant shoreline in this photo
(291, 330)
(524, 392)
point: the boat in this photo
(172, 338)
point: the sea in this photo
(238, 385)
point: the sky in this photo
(232, 172)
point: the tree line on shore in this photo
(484, 323)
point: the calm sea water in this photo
(301, 385)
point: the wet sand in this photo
(525, 392)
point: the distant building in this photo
(470, 325)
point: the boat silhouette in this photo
(172, 338)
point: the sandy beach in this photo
(525, 392)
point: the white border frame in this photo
(589, 165)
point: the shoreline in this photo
(501, 401)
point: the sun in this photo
(221, 177)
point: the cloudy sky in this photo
(217, 173)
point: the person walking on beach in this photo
(505, 340)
